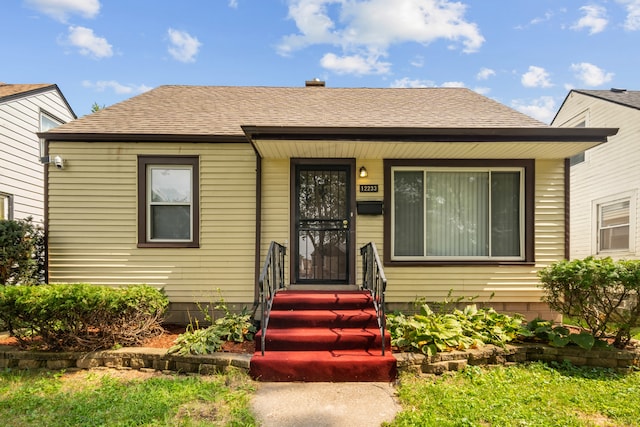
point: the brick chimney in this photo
(314, 83)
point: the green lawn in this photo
(525, 395)
(113, 398)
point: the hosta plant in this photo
(429, 332)
(235, 327)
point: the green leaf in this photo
(583, 339)
(558, 341)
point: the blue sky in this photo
(526, 54)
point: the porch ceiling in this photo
(418, 150)
(516, 143)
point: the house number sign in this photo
(369, 188)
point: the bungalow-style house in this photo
(26, 109)
(185, 188)
(605, 183)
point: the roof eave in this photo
(458, 134)
(132, 137)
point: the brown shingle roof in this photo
(7, 90)
(222, 110)
(629, 98)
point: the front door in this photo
(323, 224)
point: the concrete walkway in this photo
(363, 404)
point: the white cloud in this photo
(406, 82)
(536, 77)
(591, 75)
(418, 61)
(453, 84)
(88, 43)
(594, 19)
(375, 25)
(183, 46)
(119, 88)
(538, 20)
(542, 108)
(233, 4)
(354, 64)
(632, 23)
(485, 73)
(61, 9)
(482, 90)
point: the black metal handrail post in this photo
(271, 280)
(374, 281)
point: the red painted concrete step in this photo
(324, 366)
(321, 300)
(303, 339)
(323, 336)
(333, 318)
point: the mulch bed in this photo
(166, 340)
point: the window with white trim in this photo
(6, 206)
(613, 223)
(458, 213)
(47, 121)
(168, 207)
(578, 158)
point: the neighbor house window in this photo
(613, 226)
(47, 121)
(168, 211)
(458, 213)
(578, 158)
(6, 206)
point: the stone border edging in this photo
(623, 361)
(141, 358)
(153, 359)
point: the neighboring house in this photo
(25, 110)
(184, 187)
(605, 181)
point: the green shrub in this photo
(429, 332)
(560, 336)
(235, 327)
(82, 316)
(21, 252)
(601, 293)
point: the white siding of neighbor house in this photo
(500, 284)
(609, 170)
(21, 173)
(93, 222)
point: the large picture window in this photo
(168, 189)
(445, 212)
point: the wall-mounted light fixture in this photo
(57, 160)
(363, 172)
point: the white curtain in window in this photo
(457, 214)
(408, 192)
(505, 214)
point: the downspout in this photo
(45, 218)
(256, 292)
(567, 211)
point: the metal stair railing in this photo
(271, 280)
(374, 281)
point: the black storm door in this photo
(323, 222)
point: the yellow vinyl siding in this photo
(93, 221)
(496, 283)
(275, 207)
(369, 228)
(516, 283)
